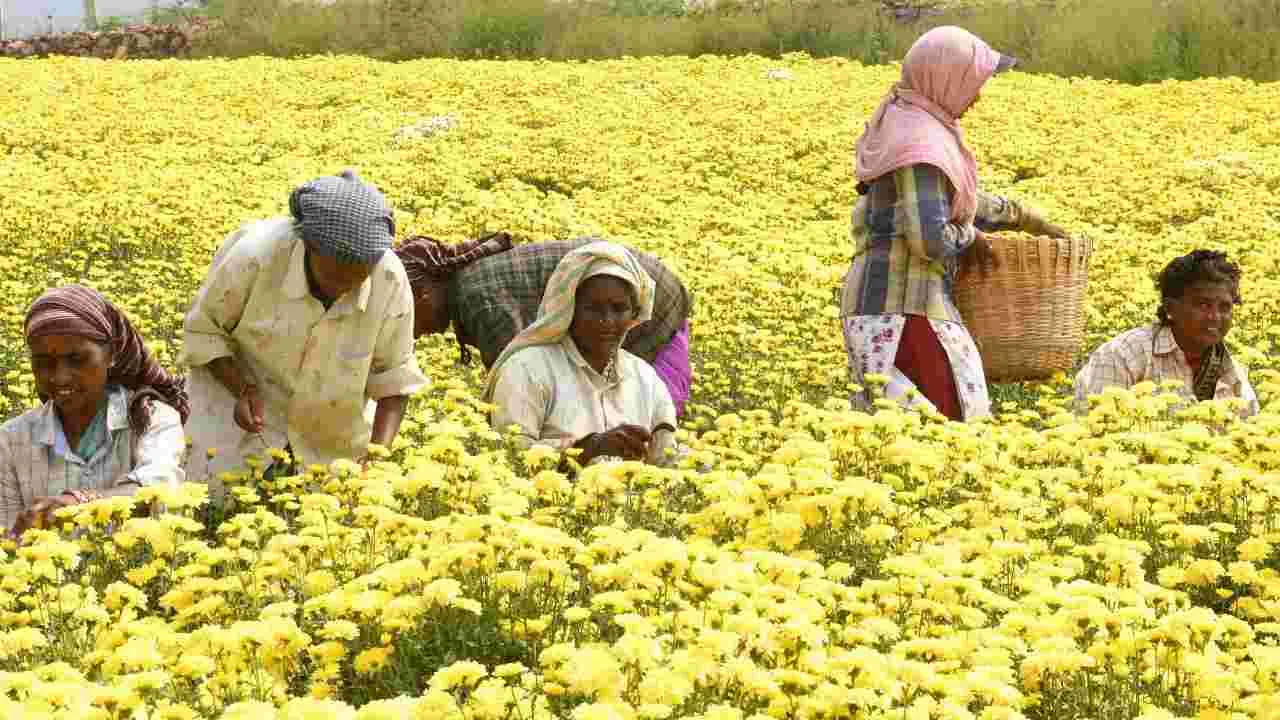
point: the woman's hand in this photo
(39, 514)
(1033, 224)
(249, 410)
(629, 442)
(982, 253)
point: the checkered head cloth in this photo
(344, 218)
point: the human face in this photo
(335, 279)
(72, 372)
(1202, 316)
(603, 312)
(431, 309)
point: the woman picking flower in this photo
(301, 337)
(920, 212)
(566, 381)
(111, 420)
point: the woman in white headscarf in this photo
(566, 382)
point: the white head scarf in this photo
(555, 313)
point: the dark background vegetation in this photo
(1132, 41)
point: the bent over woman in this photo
(112, 417)
(567, 382)
(490, 291)
(920, 212)
(301, 337)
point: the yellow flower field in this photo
(804, 562)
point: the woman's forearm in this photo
(387, 419)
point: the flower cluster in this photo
(801, 561)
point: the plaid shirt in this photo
(36, 460)
(905, 247)
(494, 298)
(1150, 353)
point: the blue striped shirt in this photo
(906, 248)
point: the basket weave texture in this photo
(1027, 316)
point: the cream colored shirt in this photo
(318, 371)
(36, 460)
(1151, 353)
(557, 398)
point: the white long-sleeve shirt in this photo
(556, 398)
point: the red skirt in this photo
(923, 360)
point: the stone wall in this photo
(130, 41)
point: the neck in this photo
(74, 425)
(1193, 351)
(312, 285)
(598, 360)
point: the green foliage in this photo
(1134, 41)
(647, 8)
(502, 28)
(183, 12)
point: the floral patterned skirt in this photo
(872, 343)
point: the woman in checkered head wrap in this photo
(347, 225)
(301, 337)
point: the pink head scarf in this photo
(916, 123)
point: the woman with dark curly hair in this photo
(1198, 293)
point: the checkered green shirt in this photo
(492, 299)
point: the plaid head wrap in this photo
(83, 312)
(427, 259)
(344, 218)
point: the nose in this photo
(62, 374)
(613, 318)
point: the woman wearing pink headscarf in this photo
(920, 213)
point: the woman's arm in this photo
(664, 416)
(387, 419)
(158, 453)
(520, 398)
(996, 213)
(1108, 366)
(216, 311)
(923, 214)
(394, 374)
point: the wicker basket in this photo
(1027, 316)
